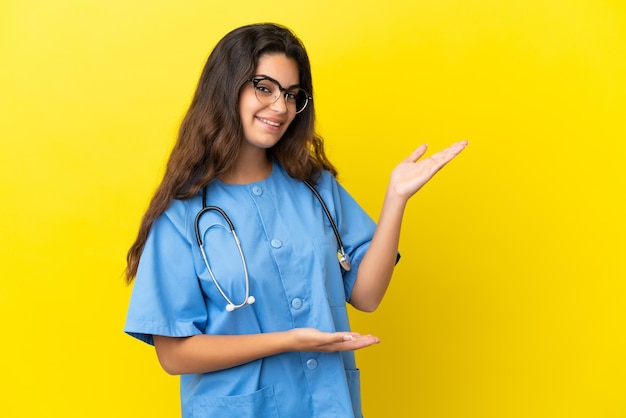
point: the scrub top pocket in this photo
(260, 404)
(354, 383)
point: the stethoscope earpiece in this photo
(231, 307)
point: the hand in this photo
(412, 173)
(310, 339)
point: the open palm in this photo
(412, 173)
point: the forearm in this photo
(377, 266)
(208, 353)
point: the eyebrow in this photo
(276, 81)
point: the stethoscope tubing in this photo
(327, 212)
(344, 259)
(231, 306)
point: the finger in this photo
(349, 341)
(447, 154)
(356, 337)
(454, 149)
(348, 336)
(362, 341)
(457, 147)
(417, 154)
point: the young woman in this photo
(250, 248)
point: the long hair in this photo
(211, 133)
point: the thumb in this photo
(417, 154)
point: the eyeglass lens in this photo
(268, 91)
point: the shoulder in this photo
(180, 214)
(326, 181)
(328, 185)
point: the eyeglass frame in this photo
(256, 80)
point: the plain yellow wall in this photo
(510, 297)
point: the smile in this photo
(269, 122)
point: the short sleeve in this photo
(167, 298)
(356, 228)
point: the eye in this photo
(264, 87)
(292, 95)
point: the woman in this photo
(256, 322)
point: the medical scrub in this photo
(291, 255)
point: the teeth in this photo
(269, 122)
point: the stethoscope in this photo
(343, 258)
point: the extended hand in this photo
(412, 173)
(310, 339)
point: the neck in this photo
(248, 170)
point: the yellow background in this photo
(510, 297)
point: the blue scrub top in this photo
(291, 257)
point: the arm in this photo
(378, 263)
(207, 353)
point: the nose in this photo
(280, 104)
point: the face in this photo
(264, 124)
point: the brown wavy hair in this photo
(211, 134)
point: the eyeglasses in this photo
(268, 90)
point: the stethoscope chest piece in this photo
(344, 259)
